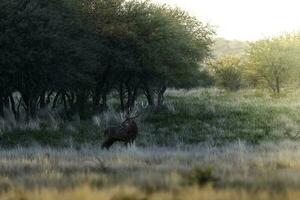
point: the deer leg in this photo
(131, 142)
(126, 144)
(108, 143)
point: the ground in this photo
(204, 144)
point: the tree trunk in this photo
(30, 107)
(277, 85)
(101, 89)
(1, 106)
(121, 94)
(104, 101)
(133, 97)
(96, 100)
(33, 110)
(42, 100)
(6, 102)
(97, 97)
(26, 106)
(129, 99)
(55, 100)
(72, 101)
(48, 98)
(81, 104)
(64, 98)
(132, 91)
(149, 96)
(160, 96)
(13, 107)
(20, 101)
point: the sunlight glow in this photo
(244, 19)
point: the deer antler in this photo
(128, 118)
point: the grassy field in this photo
(235, 171)
(204, 144)
(188, 117)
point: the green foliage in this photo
(195, 117)
(273, 62)
(191, 117)
(201, 176)
(44, 45)
(62, 137)
(227, 72)
(74, 54)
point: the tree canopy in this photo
(273, 61)
(75, 54)
(227, 72)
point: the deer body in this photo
(126, 132)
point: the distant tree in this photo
(271, 62)
(223, 47)
(227, 71)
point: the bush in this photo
(201, 176)
(227, 72)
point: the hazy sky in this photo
(245, 19)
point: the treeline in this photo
(75, 54)
(223, 47)
(268, 63)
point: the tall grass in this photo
(271, 165)
(188, 117)
(132, 193)
(237, 170)
(203, 144)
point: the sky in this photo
(244, 19)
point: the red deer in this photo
(126, 132)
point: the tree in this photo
(272, 61)
(151, 47)
(223, 47)
(45, 47)
(169, 45)
(74, 54)
(227, 71)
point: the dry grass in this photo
(239, 171)
(132, 193)
(180, 170)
